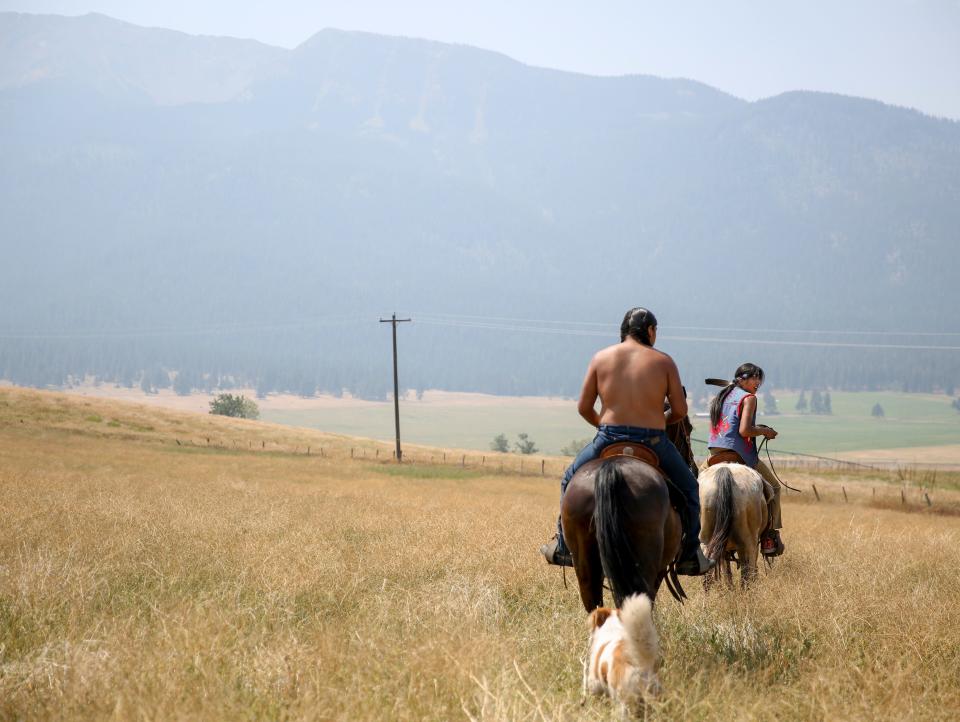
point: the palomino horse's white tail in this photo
(733, 512)
(724, 513)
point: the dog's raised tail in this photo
(642, 644)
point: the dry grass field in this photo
(163, 565)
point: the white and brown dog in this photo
(623, 653)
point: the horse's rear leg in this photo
(747, 539)
(749, 553)
(727, 568)
(586, 562)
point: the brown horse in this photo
(618, 523)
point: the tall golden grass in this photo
(145, 579)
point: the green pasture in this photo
(455, 426)
(910, 420)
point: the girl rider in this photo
(733, 426)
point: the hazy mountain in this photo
(130, 63)
(155, 180)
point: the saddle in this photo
(727, 456)
(633, 450)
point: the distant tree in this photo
(877, 411)
(770, 403)
(236, 406)
(816, 402)
(308, 388)
(182, 384)
(500, 443)
(145, 384)
(573, 448)
(250, 409)
(161, 379)
(524, 445)
(827, 404)
(262, 390)
(956, 405)
(802, 402)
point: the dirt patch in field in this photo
(947, 454)
(166, 398)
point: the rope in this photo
(773, 470)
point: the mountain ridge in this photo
(365, 172)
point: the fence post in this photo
(542, 467)
(351, 452)
(927, 497)
(903, 496)
(815, 492)
(844, 489)
(463, 460)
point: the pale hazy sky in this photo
(905, 52)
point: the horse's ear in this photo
(597, 617)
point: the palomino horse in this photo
(618, 522)
(733, 512)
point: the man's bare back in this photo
(632, 380)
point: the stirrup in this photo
(696, 565)
(552, 553)
(770, 543)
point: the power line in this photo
(697, 339)
(509, 324)
(216, 329)
(884, 332)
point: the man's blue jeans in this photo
(671, 463)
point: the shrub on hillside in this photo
(236, 406)
(525, 445)
(573, 448)
(500, 443)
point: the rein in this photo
(765, 445)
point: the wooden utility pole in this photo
(393, 321)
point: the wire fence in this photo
(814, 462)
(537, 465)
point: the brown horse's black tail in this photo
(620, 564)
(723, 513)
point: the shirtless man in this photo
(632, 379)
